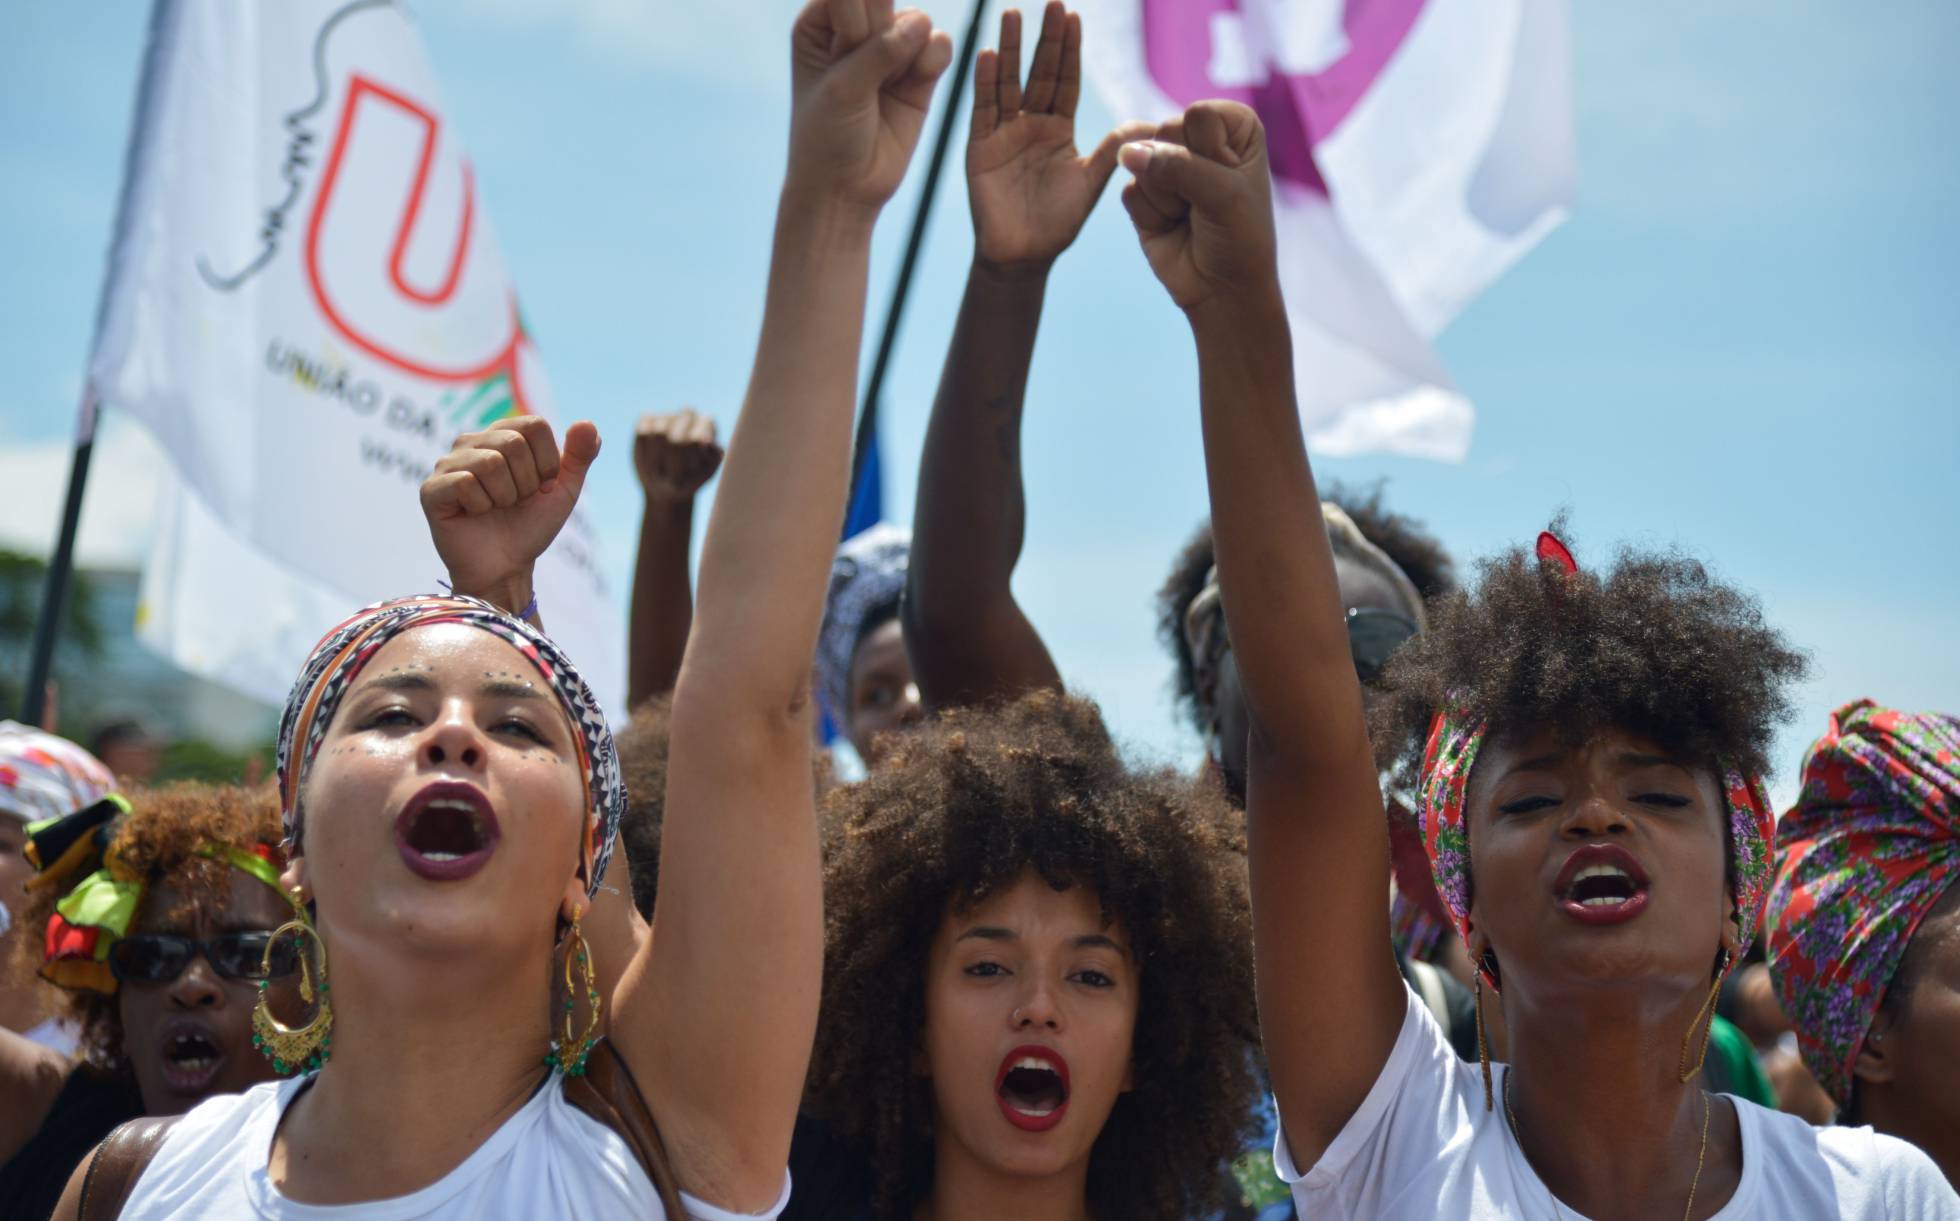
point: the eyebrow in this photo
(1641, 758)
(984, 932)
(500, 688)
(1541, 763)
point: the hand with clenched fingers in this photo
(499, 497)
(1202, 204)
(675, 455)
(861, 83)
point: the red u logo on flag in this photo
(393, 255)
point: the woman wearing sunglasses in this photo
(1383, 601)
(152, 913)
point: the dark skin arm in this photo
(1330, 1000)
(675, 456)
(968, 639)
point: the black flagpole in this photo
(868, 412)
(54, 594)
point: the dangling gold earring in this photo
(1707, 1010)
(1483, 1047)
(311, 1046)
(568, 1055)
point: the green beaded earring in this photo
(310, 1046)
(568, 1054)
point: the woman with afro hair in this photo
(1037, 993)
(1589, 803)
(152, 914)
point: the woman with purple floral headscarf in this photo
(1865, 922)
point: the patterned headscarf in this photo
(1870, 846)
(869, 572)
(339, 657)
(96, 911)
(42, 776)
(1456, 735)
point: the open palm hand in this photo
(1030, 189)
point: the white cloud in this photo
(117, 506)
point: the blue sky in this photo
(1744, 341)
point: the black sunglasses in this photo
(1373, 636)
(158, 958)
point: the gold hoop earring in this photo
(1483, 1047)
(568, 1055)
(309, 1047)
(1707, 1010)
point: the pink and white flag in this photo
(306, 305)
(1419, 148)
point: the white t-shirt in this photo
(550, 1159)
(56, 1034)
(1422, 1146)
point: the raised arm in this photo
(717, 1014)
(675, 456)
(1330, 1003)
(968, 640)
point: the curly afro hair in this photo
(1186, 581)
(159, 841)
(642, 747)
(963, 810)
(1654, 645)
(1403, 539)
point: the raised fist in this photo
(1202, 204)
(862, 81)
(675, 455)
(498, 498)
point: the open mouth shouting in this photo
(191, 1055)
(1601, 884)
(1032, 1086)
(447, 831)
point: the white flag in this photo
(306, 305)
(1419, 148)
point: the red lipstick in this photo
(447, 831)
(1032, 1087)
(1601, 884)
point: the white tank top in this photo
(548, 1160)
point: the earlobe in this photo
(1129, 1078)
(1875, 1064)
(294, 877)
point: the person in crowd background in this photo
(153, 915)
(863, 673)
(1595, 710)
(674, 457)
(1865, 922)
(435, 1018)
(1749, 1000)
(1037, 994)
(1390, 569)
(130, 748)
(41, 776)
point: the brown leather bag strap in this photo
(118, 1162)
(608, 1093)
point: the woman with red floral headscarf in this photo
(1864, 929)
(1589, 803)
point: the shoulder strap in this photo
(118, 1162)
(608, 1093)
